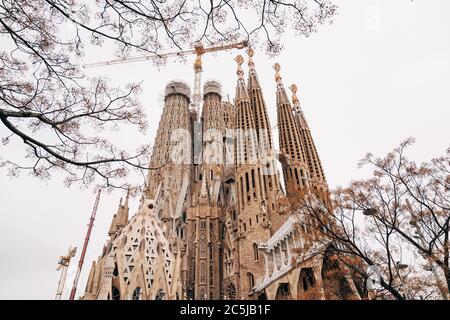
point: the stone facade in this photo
(215, 221)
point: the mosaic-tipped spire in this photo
(315, 169)
(251, 63)
(241, 92)
(263, 130)
(281, 91)
(295, 167)
(297, 108)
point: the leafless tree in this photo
(401, 211)
(62, 116)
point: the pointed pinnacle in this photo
(240, 60)
(277, 68)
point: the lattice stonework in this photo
(142, 257)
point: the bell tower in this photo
(293, 158)
(317, 177)
(253, 224)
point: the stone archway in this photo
(231, 291)
(262, 295)
(307, 287)
(283, 292)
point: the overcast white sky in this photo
(379, 74)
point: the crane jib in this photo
(199, 50)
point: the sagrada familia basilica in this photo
(217, 220)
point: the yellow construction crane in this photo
(63, 264)
(199, 50)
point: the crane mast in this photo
(63, 264)
(83, 252)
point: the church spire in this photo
(246, 145)
(266, 153)
(204, 194)
(241, 92)
(313, 161)
(246, 139)
(253, 223)
(293, 157)
(262, 123)
(120, 219)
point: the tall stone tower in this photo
(266, 152)
(253, 221)
(293, 158)
(172, 154)
(205, 213)
(317, 177)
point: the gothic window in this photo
(211, 274)
(255, 252)
(307, 278)
(251, 281)
(284, 289)
(241, 187)
(202, 272)
(296, 177)
(253, 178)
(247, 182)
(231, 292)
(202, 249)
